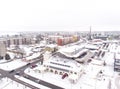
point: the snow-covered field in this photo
(12, 65)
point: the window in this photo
(59, 64)
(61, 73)
(56, 72)
(51, 70)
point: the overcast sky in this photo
(41, 15)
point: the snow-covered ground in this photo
(33, 56)
(12, 65)
(49, 77)
(3, 61)
(7, 83)
(27, 49)
(85, 82)
(32, 83)
(4, 82)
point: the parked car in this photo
(33, 66)
(65, 75)
(18, 73)
(11, 71)
(38, 81)
(28, 63)
(25, 76)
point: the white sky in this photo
(41, 15)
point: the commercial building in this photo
(78, 53)
(62, 66)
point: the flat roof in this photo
(91, 46)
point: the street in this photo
(11, 74)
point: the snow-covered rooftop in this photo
(90, 46)
(51, 45)
(97, 62)
(55, 36)
(66, 64)
(70, 49)
(73, 51)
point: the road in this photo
(117, 82)
(20, 70)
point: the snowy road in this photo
(20, 69)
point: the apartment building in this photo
(17, 40)
(2, 50)
(63, 40)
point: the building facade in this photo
(63, 40)
(18, 40)
(2, 50)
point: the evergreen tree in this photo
(7, 56)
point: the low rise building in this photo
(62, 66)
